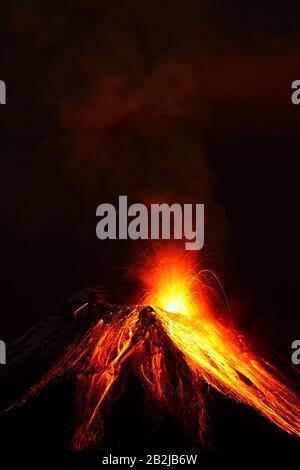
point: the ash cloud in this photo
(112, 97)
(123, 83)
(134, 89)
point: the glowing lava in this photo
(178, 347)
(172, 282)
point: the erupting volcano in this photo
(178, 342)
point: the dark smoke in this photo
(113, 97)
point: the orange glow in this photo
(179, 347)
(214, 350)
(171, 283)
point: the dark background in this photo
(161, 101)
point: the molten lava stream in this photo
(216, 351)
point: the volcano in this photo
(177, 357)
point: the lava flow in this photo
(179, 346)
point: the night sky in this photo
(169, 101)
